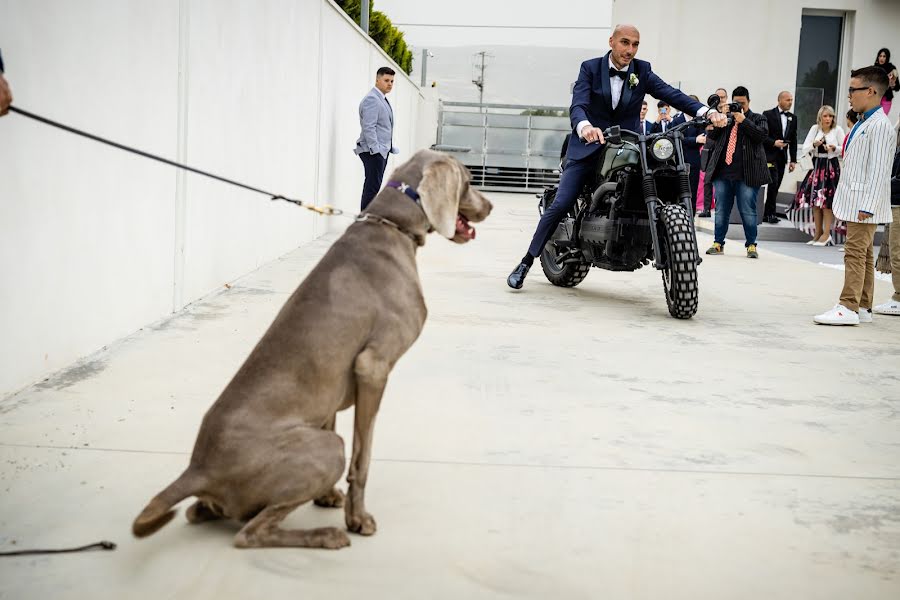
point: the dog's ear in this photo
(440, 190)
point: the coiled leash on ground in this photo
(104, 545)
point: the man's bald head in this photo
(625, 28)
(785, 100)
(624, 43)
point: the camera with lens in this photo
(735, 107)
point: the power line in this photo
(497, 26)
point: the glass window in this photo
(817, 67)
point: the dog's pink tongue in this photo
(463, 228)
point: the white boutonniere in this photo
(790, 119)
(633, 80)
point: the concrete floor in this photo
(551, 443)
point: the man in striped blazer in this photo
(863, 196)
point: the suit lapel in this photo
(626, 90)
(605, 86)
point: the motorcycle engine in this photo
(597, 229)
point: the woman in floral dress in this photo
(823, 143)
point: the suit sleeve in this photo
(756, 129)
(581, 96)
(661, 90)
(368, 116)
(690, 136)
(769, 143)
(878, 167)
(792, 142)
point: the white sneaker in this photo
(865, 315)
(888, 308)
(839, 315)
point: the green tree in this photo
(382, 31)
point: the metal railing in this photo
(505, 146)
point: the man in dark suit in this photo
(666, 119)
(694, 137)
(782, 139)
(645, 125)
(609, 91)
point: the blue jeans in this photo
(727, 191)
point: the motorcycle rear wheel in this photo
(680, 280)
(569, 274)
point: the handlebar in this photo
(615, 132)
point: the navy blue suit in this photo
(592, 101)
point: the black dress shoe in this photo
(772, 219)
(705, 214)
(517, 277)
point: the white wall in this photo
(754, 44)
(96, 243)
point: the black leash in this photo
(324, 210)
(104, 545)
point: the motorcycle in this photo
(637, 208)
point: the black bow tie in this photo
(784, 113)
(617, 73)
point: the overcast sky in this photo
(567, 13)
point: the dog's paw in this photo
(333, 499)
(335, 539)
(363, 524)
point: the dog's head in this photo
(450, 202)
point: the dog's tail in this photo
(159, 511)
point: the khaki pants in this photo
(859, 266)
(895, 252)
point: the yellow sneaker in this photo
(716, 248)
(751, 251)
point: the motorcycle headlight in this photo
(663, 149)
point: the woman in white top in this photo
(824, 143)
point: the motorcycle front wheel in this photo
(679, 247)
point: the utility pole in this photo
(364, 16)
(479, 79)
(425, 55)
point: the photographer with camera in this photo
(737, 167)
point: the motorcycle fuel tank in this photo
(617, 156)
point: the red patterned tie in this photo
(732, 145)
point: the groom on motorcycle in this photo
(609, 91)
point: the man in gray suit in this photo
(376, 119)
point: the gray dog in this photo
(268, 445)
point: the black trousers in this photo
(374, 165)
(570, 183)
(776, 175)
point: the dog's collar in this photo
(368, 217)
(406, 189)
